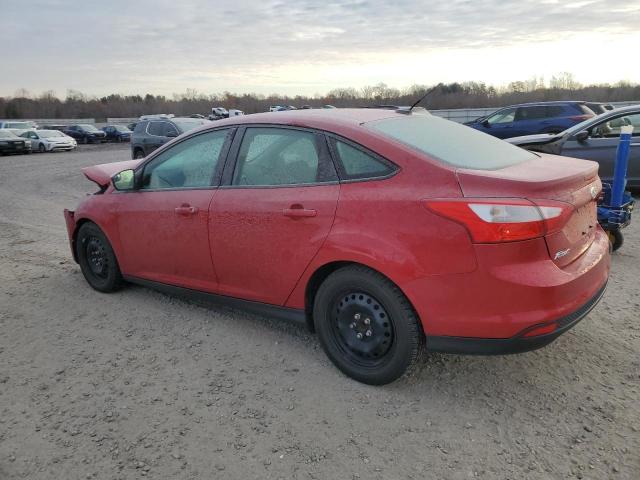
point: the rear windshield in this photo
(450, 142)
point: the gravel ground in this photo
(138, 384)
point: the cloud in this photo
(157, 45)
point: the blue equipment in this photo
(616, 204)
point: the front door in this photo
(163, 226)
(267, 225)
(602, 144)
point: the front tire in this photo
(366, 325)
(97, 259)
(42, 148)
(138, 154)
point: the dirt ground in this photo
(138, 384)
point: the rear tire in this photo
(366, 325)
(42, 148)
(97, 259)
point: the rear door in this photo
(274, 212)
(163, 226)
(155, 136)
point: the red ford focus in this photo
(385, 231)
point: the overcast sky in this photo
(308, 46)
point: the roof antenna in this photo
(402, 110)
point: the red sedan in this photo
(385, 231)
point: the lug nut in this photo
(368, 333)
(352, 325)
(357, 316)
(359, 335)
(367, 321)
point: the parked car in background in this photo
(12, 143)
(598, 108)
(532, 118)
(86, 133)
(235, 113)
(364, 223)
(218, 113)
(196, 115)
(49, 140)
(594, 139)
(150, 134)
(306, 107)
(18, 124)
(117, 133)
(54, 126)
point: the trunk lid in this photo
(549, 177)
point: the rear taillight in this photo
(581, 118)
(504, 220)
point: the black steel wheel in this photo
(97, 260)
(366, 325)
(364, 330)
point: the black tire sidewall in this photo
(618, 240)
(113, 280)
(407, 333)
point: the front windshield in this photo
(451, 142)
(122, 129)
(50, 133)
(186, 124)
(89, 128)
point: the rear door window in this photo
(156, 128)
(278, 156)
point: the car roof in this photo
(541, 104)
(322, 119)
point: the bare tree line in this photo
(451, 95)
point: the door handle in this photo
(186, 210)
(298, 211)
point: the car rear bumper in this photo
(515, 287)
(517, 344)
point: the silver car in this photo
(49, 140)
(594, 139)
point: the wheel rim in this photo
(97, 259)
(362, 328)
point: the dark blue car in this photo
(117, 133)
(532, 118)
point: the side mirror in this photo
(172, 133)
(486, 124)
(124, 180)
(582, 136)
